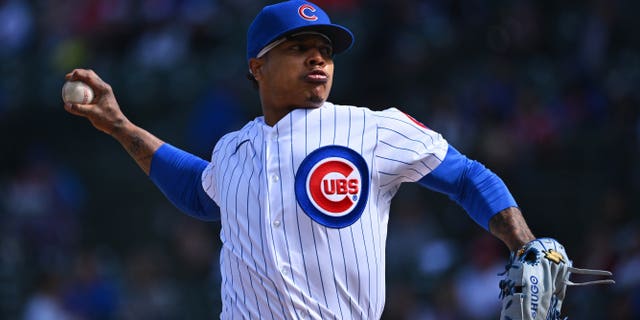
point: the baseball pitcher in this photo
(304, 190)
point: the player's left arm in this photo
(410, 151)
(509, 226)
(537, 274)
(482, 194)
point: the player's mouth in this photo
(316, 76)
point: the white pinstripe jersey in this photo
(304, 209)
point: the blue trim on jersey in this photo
(178, 175)
(477, 189)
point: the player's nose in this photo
(315, 57)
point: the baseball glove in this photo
(536, 279)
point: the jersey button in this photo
(276, 223)
(285, 271)
(275, 178)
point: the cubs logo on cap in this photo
(286, 18)
(303, 12)
(332, 186)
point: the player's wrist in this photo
(509, 226)
(121, 127)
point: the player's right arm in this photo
(178, 174)
(105, 115)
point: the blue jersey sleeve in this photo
(470, 184)
(178, 175)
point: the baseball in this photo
(77, 92)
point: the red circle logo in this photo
(302, 12)
(334, 186)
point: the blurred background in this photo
(544, 93)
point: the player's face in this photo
(298, 73)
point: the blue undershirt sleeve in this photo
(470, 184)
(178, 174)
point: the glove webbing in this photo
(589, 272)
(508, 287)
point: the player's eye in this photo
(326, 51)
(297, 47)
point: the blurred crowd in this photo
(544, 93)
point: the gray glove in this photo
(536, 279)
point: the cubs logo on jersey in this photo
(332, 186)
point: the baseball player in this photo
(304, 190)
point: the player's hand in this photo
(104, 111)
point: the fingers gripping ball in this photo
(536, 279)
(77, 92)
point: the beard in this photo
(316, 97)
(315, 100)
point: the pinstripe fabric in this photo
(276, 261)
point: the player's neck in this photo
(272, 116)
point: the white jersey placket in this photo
(276, 224)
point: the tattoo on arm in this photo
(138, 148)
(140, 144)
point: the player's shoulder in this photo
(389, 112)
(234, 137)
(368, 111)
(395, 117)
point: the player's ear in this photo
(255, 67)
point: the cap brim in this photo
(341, 38)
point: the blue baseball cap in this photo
(282, 19)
